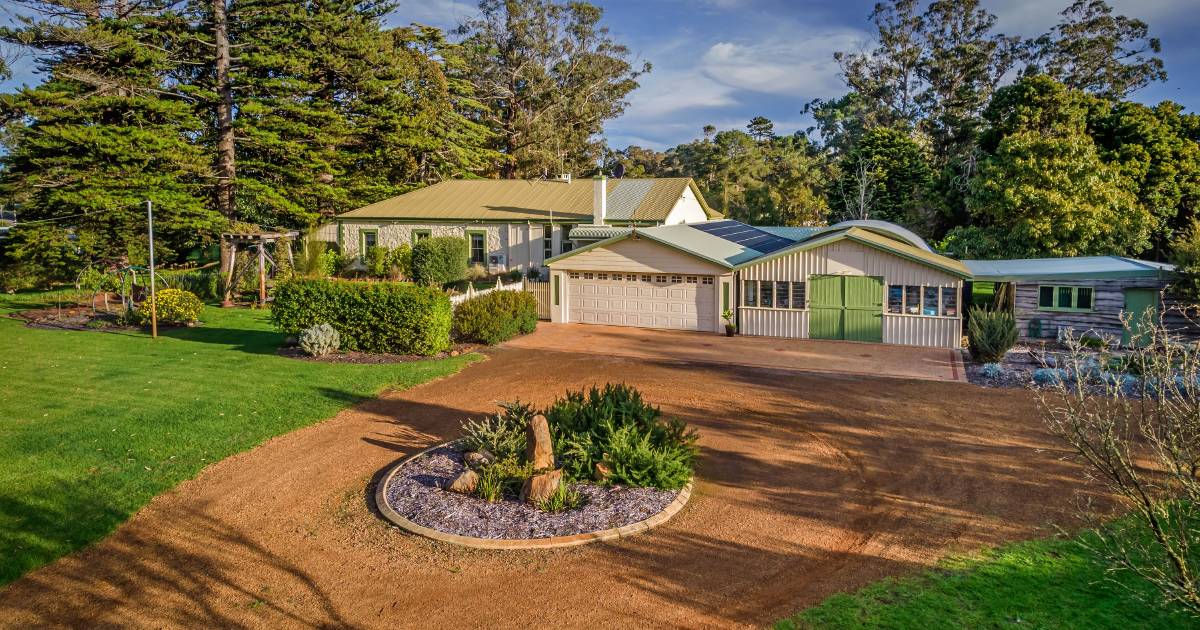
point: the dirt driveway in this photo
(823, 357)
(808, 485)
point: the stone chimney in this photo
(600, 200)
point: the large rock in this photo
(465, 483)
(538, 449)
(538, 488)
(478, 459)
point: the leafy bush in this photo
(564, 498)
(514, 275)
(990, 334)
(534, 274)
(503, 434)
(376, 260)
(496, 317)
(400, 262)
(390, 317)
(320, 340)
(439, 260)
(172, 305)
(617, 427)
(992, 370)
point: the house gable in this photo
(624, 254)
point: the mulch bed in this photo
(370, 358)
(73, 318)
(416, 493)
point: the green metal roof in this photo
(1078, 268)
(791, 233)
(629, 200)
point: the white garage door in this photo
(646, 300)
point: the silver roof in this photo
(1080, 267)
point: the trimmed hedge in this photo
(496, 317)
(391, 317)
(440, 260)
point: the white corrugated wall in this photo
(850, 258)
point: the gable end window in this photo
(1065, 298)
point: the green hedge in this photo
(440, 260)
(391, 317)
(496, 317)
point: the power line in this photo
(19, 222)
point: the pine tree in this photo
(105, 132)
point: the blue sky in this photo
(722, 62)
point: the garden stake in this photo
(153, 306)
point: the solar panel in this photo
(744, 235)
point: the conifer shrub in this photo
(990, 335)
(496, 317)
(615, 427)
(386, 317)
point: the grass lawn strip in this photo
(1048, 583)
(96, 424)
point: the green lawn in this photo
(1049, 583)
(94, 424)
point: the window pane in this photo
(895, 299)
(750, 291)
(949, 302)
(912, 299)
(477, 249)
(370, 239)
(1083, 298)
(931, 301)
(782, 295)
(797, 295)
(548, 242)
(1064, 297)
(567, 245)
(766, 295)
(1046, 297)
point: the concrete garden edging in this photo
(526, 543)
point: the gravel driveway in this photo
(808, 485)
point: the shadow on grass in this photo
(241, 339)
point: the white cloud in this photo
(444, 14)
(800, 66)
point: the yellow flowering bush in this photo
(173, 305)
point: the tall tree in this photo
(550, 76)
(1043, 188)
(887, 78)
(105, 132)
(888, 167)
(1098, 52)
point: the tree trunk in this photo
(226, 153)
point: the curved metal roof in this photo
(888, 228)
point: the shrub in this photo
(476, 272)
(617, 427)
(320, 340)
(390, 317)
(992, 370)
(505, 476)
(503, 434)
(205, 284)
(990, 335)
(496, 317)
(1049, 376)
(376, 260)
(534, 274)
(400, 262)
(514, 275)
(439, 260)
(564, 498)
(175, 306)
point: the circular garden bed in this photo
(590, 468)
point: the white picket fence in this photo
(455, 300)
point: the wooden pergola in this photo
(232, 242)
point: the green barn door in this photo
(825, 303)
(846, 307)
(1142, 306)
(864, 309)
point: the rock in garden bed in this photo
(417, 492)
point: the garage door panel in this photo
(633, 300)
